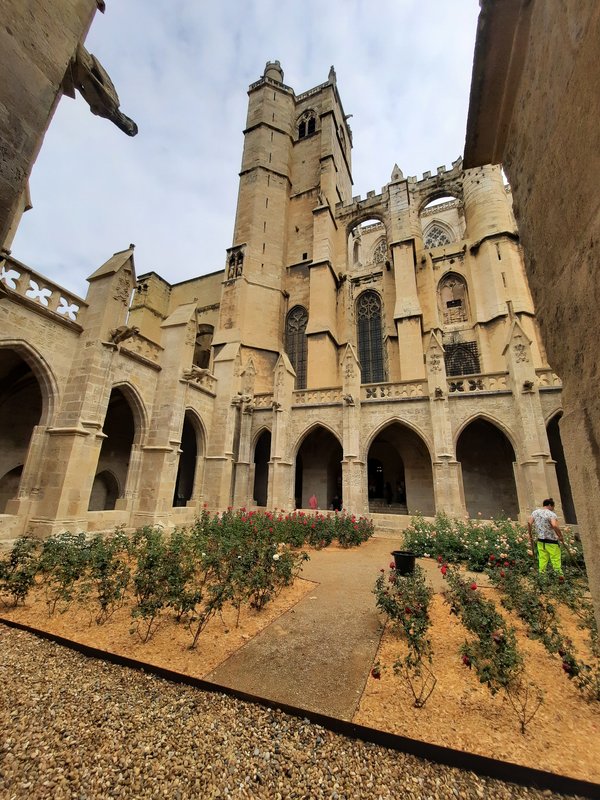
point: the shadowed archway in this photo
(400, 478)
(487, 457)
(562, 473)
(318, 469)
(262, 456)
(115, 453)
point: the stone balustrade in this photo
(469, 384)
(547, 379)
(22, 280)
(317, 397)
(263, 401)
(402, 390)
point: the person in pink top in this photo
(313, 502)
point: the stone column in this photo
(281, 465)
(160, 453)
(354, 478)
(220, 456)
(447, 472)
(242, 491)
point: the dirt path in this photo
(318, 655)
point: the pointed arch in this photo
(399, 470)
(495, 421)
(261, 456)
(487, 458)
(190, 468)
(42, 372)
(437, 233)
(318, 468)
(453, 298)
(310, 429)
(138, 409)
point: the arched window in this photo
(452, 299)
(295, 343)
(380, 252)
(436, 235)
(370, 340)
(462, 358)
(307, 124)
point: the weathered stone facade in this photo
(380, 352)
(534, 106)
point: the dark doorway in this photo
(400, 480)
(319, 470)
(262, 456)
(186, 469)
(562, 474)
(115, 454)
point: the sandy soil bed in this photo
(169, 647)
(564, 736)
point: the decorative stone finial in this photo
(332, 77)
(397, 174)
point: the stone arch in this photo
(138, 408)
(27, 400)
(261, 456)
(105, 491)
(43, 373)
(439, 194)
(407, 424)
(190, 467)
(309, 429)
(124, 429)
(361, 216)
(318, 467)
(562, 473)
(496, 422)
(487, 457)
(306, 123)
(399, 470)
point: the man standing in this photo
(548, 535)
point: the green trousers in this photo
(549, 552)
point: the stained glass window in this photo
(295, 343)
(462, 358)
(370, 339)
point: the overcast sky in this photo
(182, 70)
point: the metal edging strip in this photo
(506, 771)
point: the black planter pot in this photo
(404, 561)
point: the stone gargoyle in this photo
(195, 373)
(87, 74)
(118, 335)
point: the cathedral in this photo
(378, 354)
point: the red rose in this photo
(492, 557)
(466, 661)
(502, 573)
(473, 586)
(392, 565)
(506, 564)
(444, 569)
(440, 559)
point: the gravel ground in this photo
(73, 727)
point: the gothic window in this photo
(370, 339)
(462, 358)
(436, 235)
(295, 343)
(380, 252)
(235, 264)
(452, 299)
(307, 124)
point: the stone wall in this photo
(37, 41)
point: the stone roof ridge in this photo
(116, 262)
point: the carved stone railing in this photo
(547, 379)
(263, 401)
(39, 290)
(393, 391)
(317, 397)
(469, 384)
